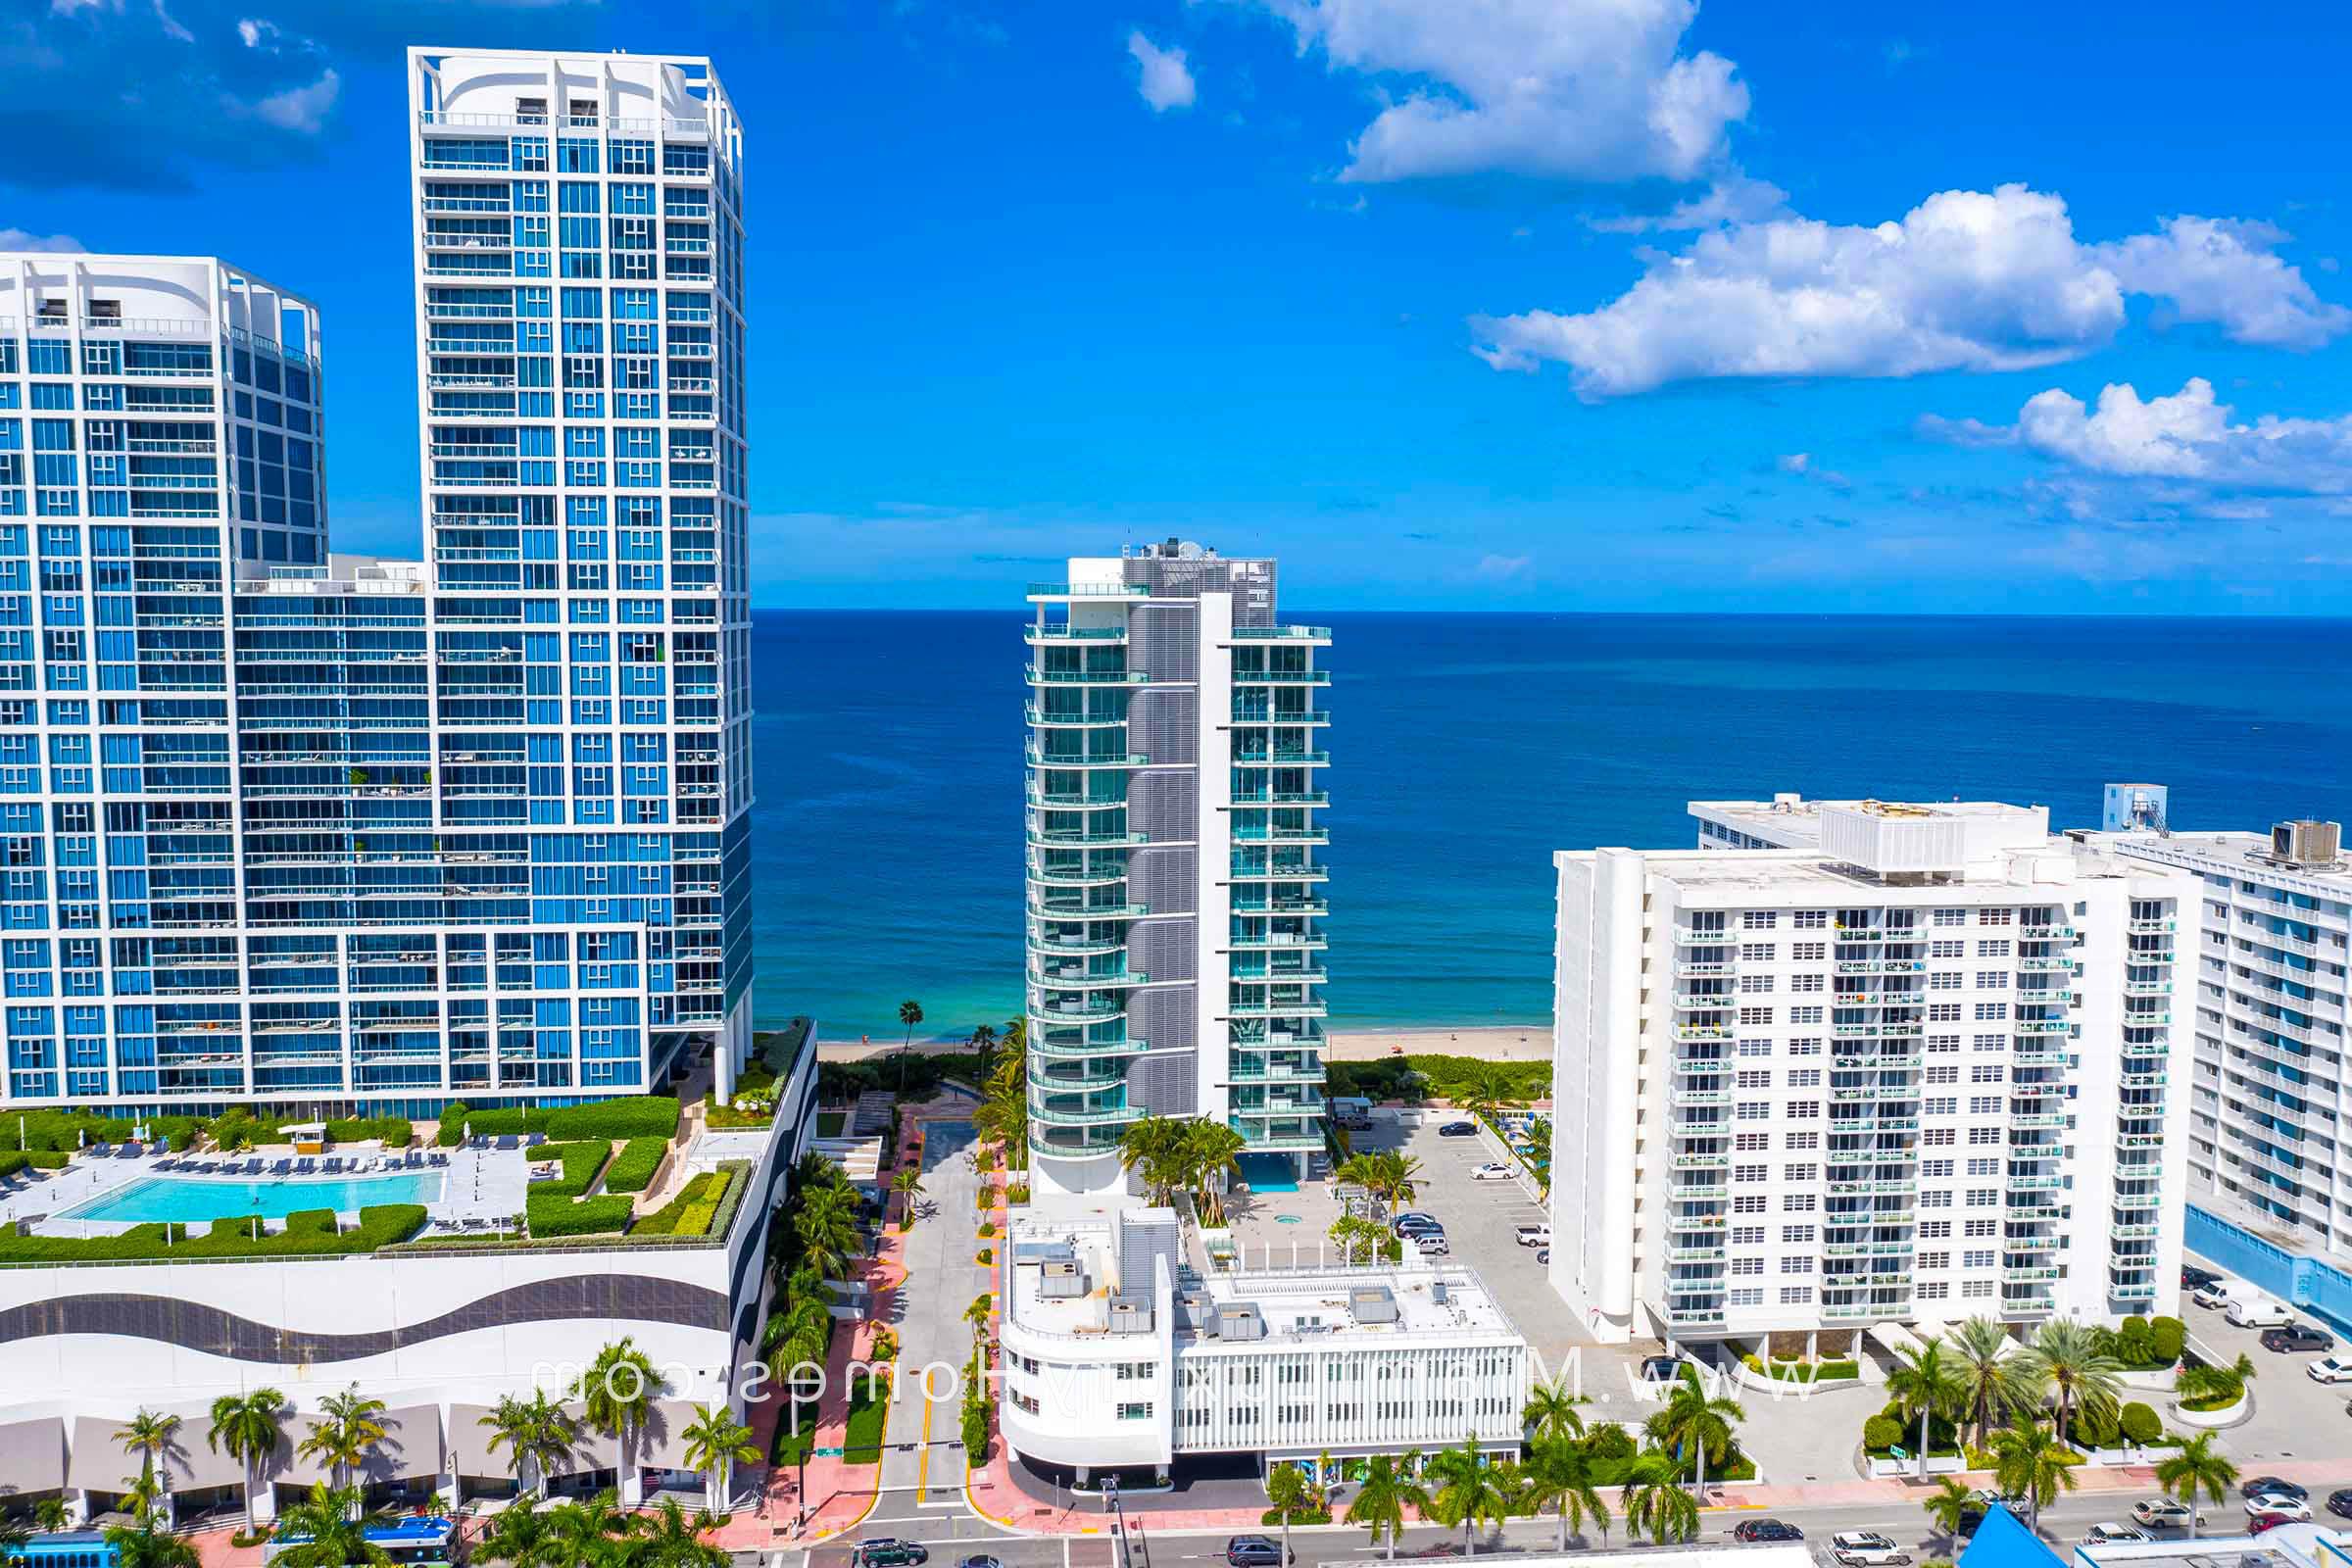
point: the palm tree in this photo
(535, 1431)
(1210, 1150)
(716, 1442)
(246, 1427)
(827, 1231)
(1288, 1492)
(1559, 1472)
(667, 1539)
(1396, 1177)
(2194, 1467)
(1987, 1372)
(1927, 1384)
(976, 1315)
(617, 1393)
(151, 1437)
(145, 1546)
(2029, 1462)
(1391, 1485)
(12, 1535)
(521, 1535)
(1655, 1498)
(52, 1514)
(581, 1531)
(1470, 1491)
(144, 1495)
(1694, 1423)
(1948, 1511)
(984, 1046)
(1552, 1413)
(1153, 1147)
(907, 1183)
(2065, 1359)
(328, 1529)
(343, 1434)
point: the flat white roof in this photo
(2234, 854)
(1798, 875)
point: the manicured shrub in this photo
(2170, 1334)
(2140, 1423)
(632, 1169)
(581, 1162)
(309, 1233)
(2095, 1428)
(1880, 1432)
(13, 1162)
(48, 1158)
(663, 1221)
(552, 1216)
(632, 1116)
(702, 1212)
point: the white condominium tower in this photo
(1175, 879)
(1911, 1068)
(2270, 1184)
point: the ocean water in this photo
(1466, 748)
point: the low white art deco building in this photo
(1125, 1349)
(1856, 1062)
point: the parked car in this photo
(889, 1551)
(1494, 1170)
(2216, 1293)
(2297, 1337)
(2331, 1369)
(2272, 1487)
(2161, 1513)
(1661, 1368)
(1357, 1124)
(1533, 1236)
(1867, 1549)
(1542, 1254)
(2191, 1276)
(981, 1561)
(1433, 1243)
(1255, 1552)
(1412, 1224)
(2279, 1503)
(1458, 1129)
(2257, 1312)
(1766, 1530)
(2106, 1535)
(2339, 1503)
(2270, 1521)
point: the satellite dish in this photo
(1188, 551)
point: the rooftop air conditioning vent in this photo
(2306, 841)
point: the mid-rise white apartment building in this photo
(1120, 1353)
(1859, 1062)
(2266, 996)
(1175, 871)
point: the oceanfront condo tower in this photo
(1858, 1063)
(1175, 873)
(339, 833)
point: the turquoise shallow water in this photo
(1466, 748)
(165, 1197)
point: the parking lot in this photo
(1482, 1219)
(2294, 1417)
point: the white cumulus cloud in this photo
(1584, 89)
(21, 239)
(1164, 79)
(1966, 280)
(302, 108)
(2181, 436)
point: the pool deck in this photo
(483, 1186)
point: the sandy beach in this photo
(1495, 1042)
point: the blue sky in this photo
(1509, 303)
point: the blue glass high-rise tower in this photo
(337, 832)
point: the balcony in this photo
(1074, 634)
(1700, 1030)
(1088, 590)
(1257, 634)
(1275, 1009)
(1057, 759)
(1704, 1000)
(1696, 936)
(2046, 933)
(1050, 718)
(1084, 677)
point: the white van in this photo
(2258, 1312)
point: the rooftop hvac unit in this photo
(2306, 841)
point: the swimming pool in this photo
(168, 1198)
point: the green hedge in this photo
(2141, 1424)
(663, 1221)
(551, 1216)
(307, 1233)
(696, 1219)
(632, 1116)
(632, 1169)
(48, 1158)
(2169, 1335)
(55, 1131)
(397, 1132)
(13, 1162)
(581, 1162)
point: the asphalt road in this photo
(951, 1540)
